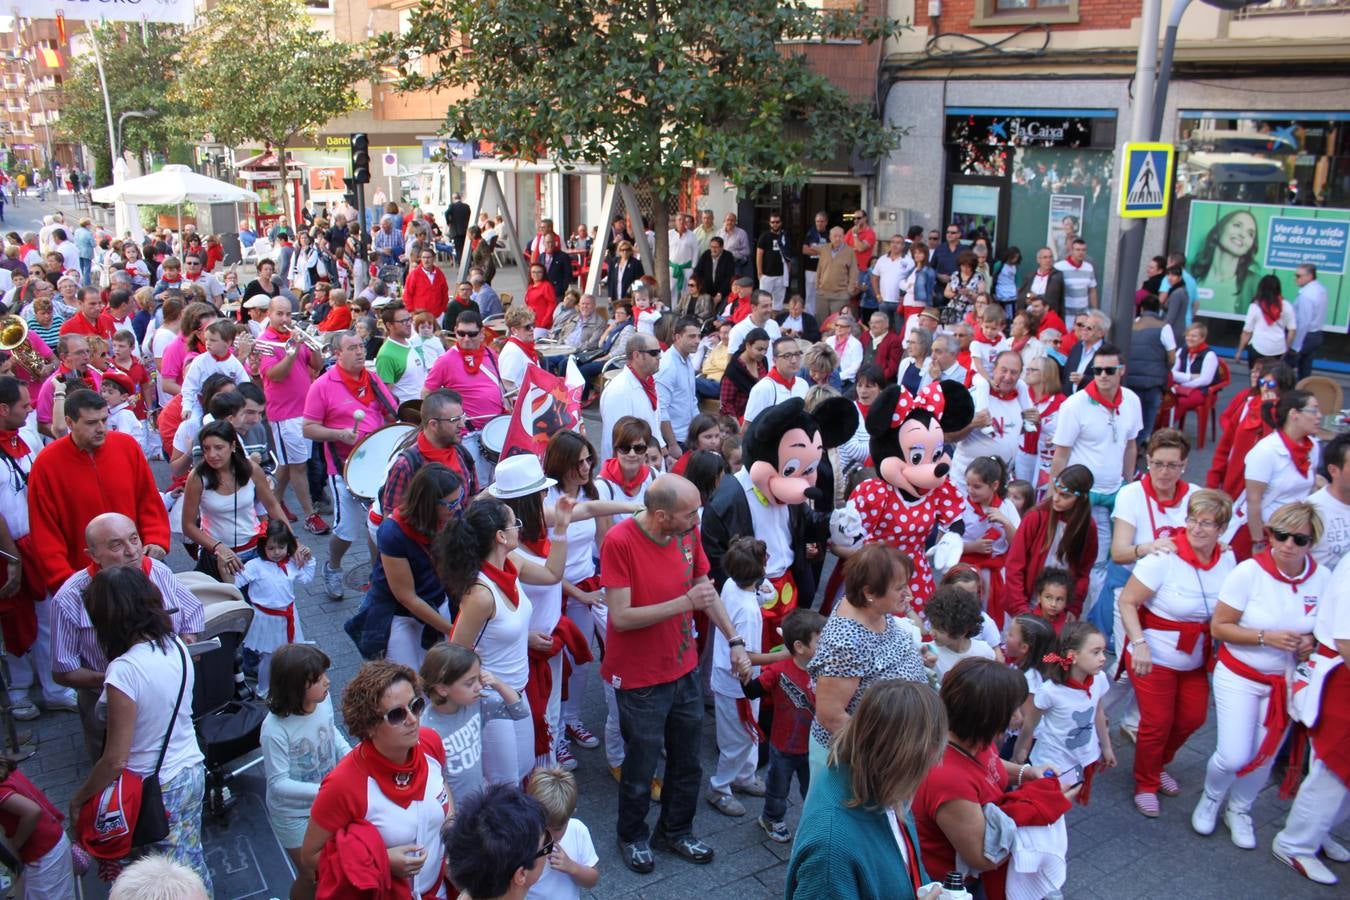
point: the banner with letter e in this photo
(176, 12)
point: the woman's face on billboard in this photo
(1239, 234)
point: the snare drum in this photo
(369, 461)
(494, 438)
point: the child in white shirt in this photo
(219, 357)
(571, 866)
(116, 388)
(738, 757)
(271, 579)
(955, 621)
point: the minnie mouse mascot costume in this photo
(912, 493)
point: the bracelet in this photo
(1136, 550)
(736, 642)
(216, 546)
(1261, 638)
(1022, 772)
(1138, 642)
(559, 537)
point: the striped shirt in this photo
(74, 642)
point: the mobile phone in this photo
(1071, 778)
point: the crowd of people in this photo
(921, 537)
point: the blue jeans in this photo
(778, 784)
(707, 389)
(85, 266)
(1150, 401)
(668, 716)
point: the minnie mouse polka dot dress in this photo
(889, 519)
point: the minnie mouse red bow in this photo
(930, 398)
(1064, 662)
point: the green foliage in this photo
(646, 89)
(139, 75)
(260, 70)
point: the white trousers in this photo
(811, 290)
(52, 877)
(1323, 803)
(614, 746)
(1024, 467)
(405, 639)
(582, 676)
(508, 747)
(37, 662)
(737, 753)
(1240, 707)
(775, 285)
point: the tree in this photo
(140, 69)
(259, 70)
(646, 89)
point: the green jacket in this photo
(846, 853)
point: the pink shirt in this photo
(331, 405)
(175, 360)
(482, 393)
(46, 394)
(285, 398)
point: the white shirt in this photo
(1269, 462)
(1270, 340)
(1335, 542)
(1209, 367)
(150, 677)
(1067, 734)
(1097, 438)
(890, 274)
(201, 368)
(742, 606)
(1181, 593)
(625, 396)
(511, 364)
(683, 247)
(850, 359)
(1333, 617)
(1310, 310)
(979, 527)
(1006, 423)
(770, 521)
(556, 885)
(1268, 605)
(738, 332)
(209, 283)
(70, 254)
(14, 484)
(675, 391)
(766, 393)
(1031, 351)
(1150, 522)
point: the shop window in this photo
(1002, 12)
(1292, 8)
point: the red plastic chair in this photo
(1207, 413)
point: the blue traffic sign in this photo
(1146, 183)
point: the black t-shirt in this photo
(777, 251)
(255, 289)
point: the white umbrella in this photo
(174, 184)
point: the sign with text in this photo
(1291, 242)
(327, 179)
(177, 12)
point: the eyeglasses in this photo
(517, 525)
(791, 354)
(400, 714)
(1206, 524)
(1166, 466)
(1314, 411)
(1279, 537)
(453, 420)
(654, 353)
(546, 850)
(1105, 370)
(639, 449)
(403, 321)
(467, 334)
(1268, 383)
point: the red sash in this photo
(288, 614)
(1188, 634)
(1277, 710)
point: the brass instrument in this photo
(308, 338)
(14, 338)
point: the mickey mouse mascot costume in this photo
(781, 451)
(913, 493)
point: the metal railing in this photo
(1293, 8)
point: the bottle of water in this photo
(954, 887)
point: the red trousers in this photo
(1172, 706)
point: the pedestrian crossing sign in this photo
(1146, 184)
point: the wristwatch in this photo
(736, 642)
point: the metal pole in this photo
(1131, 243)
(1165, 70)
(103, 87)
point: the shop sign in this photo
(1020, 131)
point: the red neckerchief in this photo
(1271, 309)
(145, 567)
(12, 445)
(530, 350)
(221, 358)
(1152, 494)
(448, 457)
(1084, 686)
(281, 564)
(782, 379)
(1076, 265)
(504, 578)
(979, 335)
(1096, 395)
(1267, 562)
(1200, 349)
(980, 511)
(612, 472)
(840, 342)
(648, 387)
(539, 548)
(1186, 553)
(862, 409)
(1019, 343)
(402, 784)
(411, 533)
(359, 385)
(1003, 395)
(1300, 453)
(472, 359)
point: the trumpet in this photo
(14, 338)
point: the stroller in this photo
(227, 720)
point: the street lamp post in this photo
(129, 114)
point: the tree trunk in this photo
(285, 192)
(661, 250)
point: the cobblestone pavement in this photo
(1113, 851)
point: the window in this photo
(990, 13)
(1292, 8)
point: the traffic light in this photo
(361, 158)
(353, 194)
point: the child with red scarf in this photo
(271, 579)
(990, 523)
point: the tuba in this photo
(14, 338)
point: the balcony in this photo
(1293, 8)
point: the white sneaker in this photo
(1310, 867)
(1240, 829)
(1335, 850)
(1206, 815)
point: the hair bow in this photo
(1064, 662)
(930, 398)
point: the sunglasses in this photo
(654, 353)
(452, 505)
(467, 334)
(639, 449)
(1268, 383)
(454, 420)
(1059, 486)
(1279, 537)
(1105, 370)
(546, 850)
(400, 714)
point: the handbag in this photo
(129, 813)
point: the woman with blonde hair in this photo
(1038, 448)
(856, 838)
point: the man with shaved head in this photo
(656, 577)
(78, 661)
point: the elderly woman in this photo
(855, 839)
(868, 639)
(821, 365)
(848, 347)
(393, 781)
(148, 688)
(1038, 446)
(1165, 609)
(44, 322)
(1265, 621)
(981, 697)
(1194, 370)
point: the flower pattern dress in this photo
(887, 517)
